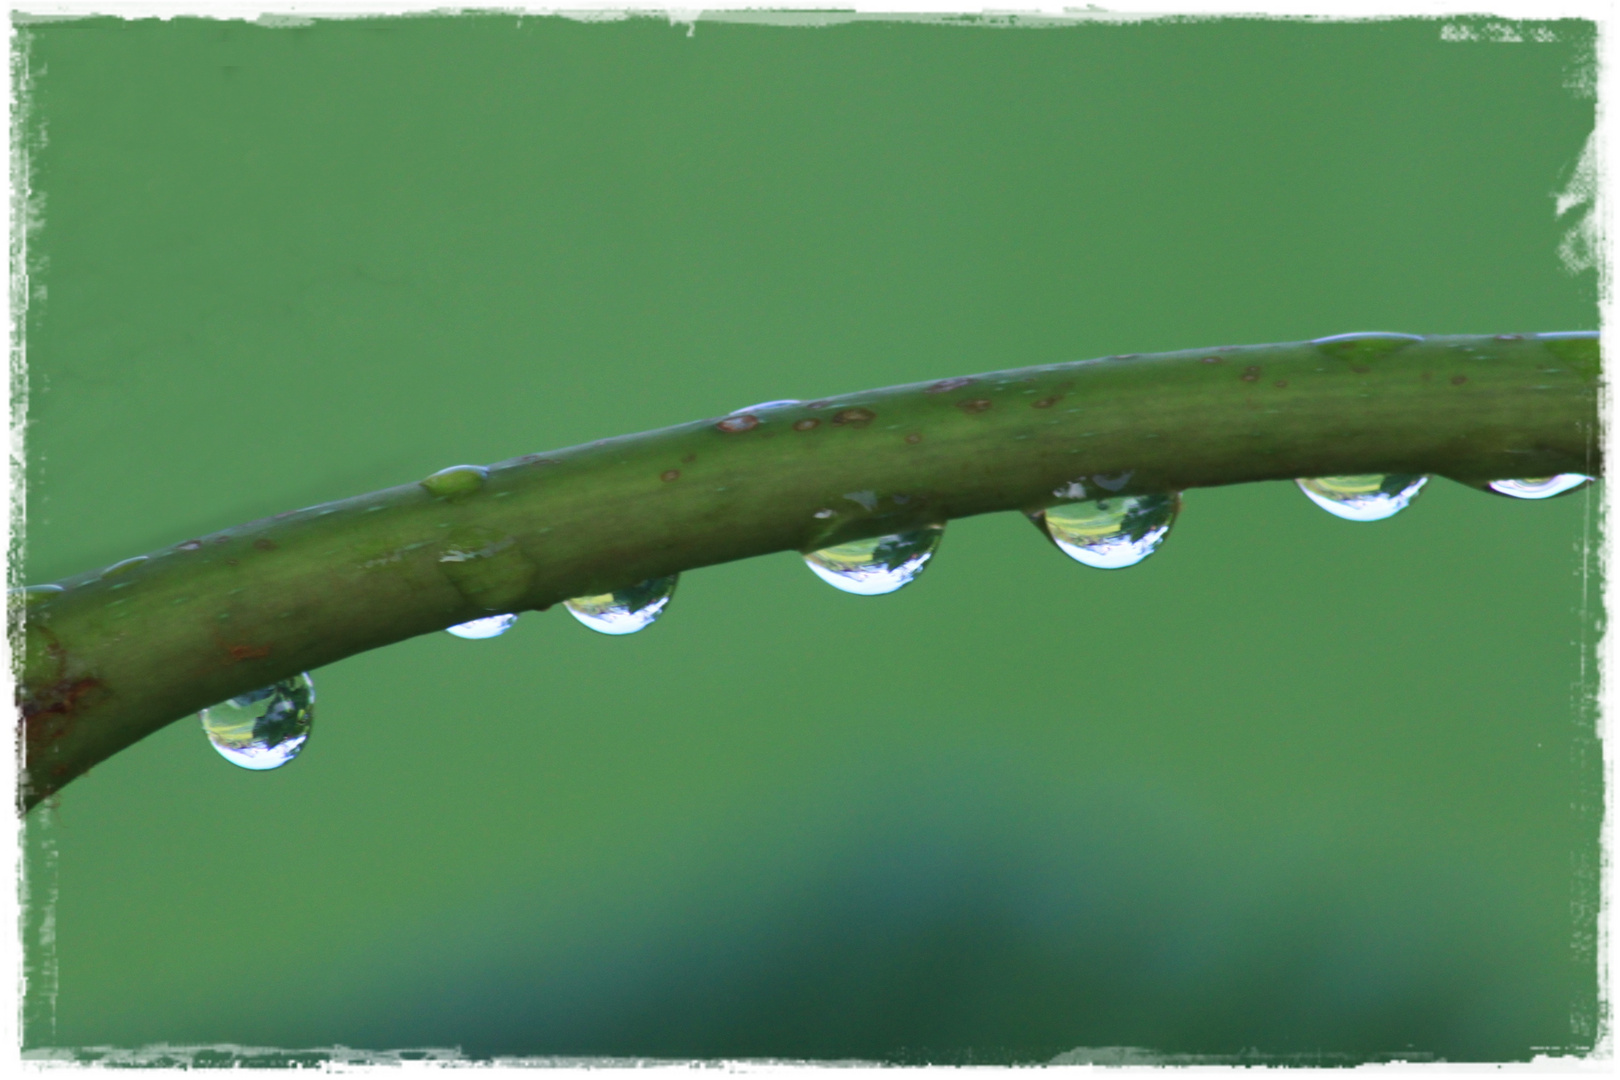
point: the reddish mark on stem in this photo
(731, 425)
(854, 417)
(914, 438)
(248, 652)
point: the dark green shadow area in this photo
(1294, 786)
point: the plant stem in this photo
(116, 654)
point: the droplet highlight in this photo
(780, 403)
(1373, 497)
(265, 728)
(626, 610)
(478, 629)
(1111, 533)
(878, 565)
(1545, 487)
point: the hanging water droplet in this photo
(1545, 487)
(1111, 533)
(265, 728)
(877, 565)
(477, 629)
(1364, 498)
(626, 610)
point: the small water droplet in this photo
(878, 565)
(1545, 487)
(1111, 533)
(782, 403)
(121, 567)
(478, 629)
(263, 729)
(1569, 335)
(1364, 498)
(457, 481)
(626, 610)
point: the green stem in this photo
(118, 653)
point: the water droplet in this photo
(458, 481)
(626, 610)
(1364, 498)
(263, 729)
(1111, 533)
(878, 565)
(783, 403)
(1359, 348)
(477, 629)
(1545, 487)
(1569, 335)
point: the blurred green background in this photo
(1294, 785)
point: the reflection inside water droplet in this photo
(1364, 498)
(477, 629)
(265, 728)
(626, 610)
(1111, 533)
(877, 565)
(1545, 487)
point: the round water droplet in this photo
(1545, 487)
(762, 406)
(1111, 533)
(877, 565)
(627, 610)
(263, 729)
(1364, 498)
(477, 629)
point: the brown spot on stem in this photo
(808, 424)
(733, 424)
(1044, 403)
(1458, 380)
(248, 652)
(669, 474)
(265, 544)
(688, 459)
(1360, 370)
(1251, 373)
(914, 438)
(976, 405)
(946, 385)
(854, 417)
